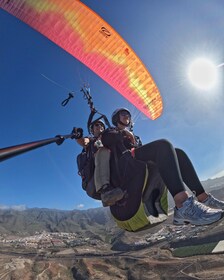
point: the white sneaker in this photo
(213, 202)
(195, 213)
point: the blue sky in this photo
(166, 35)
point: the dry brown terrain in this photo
(96, 249)
(148, 263)
(85, 262)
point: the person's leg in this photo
(163, 154)
(109, 195)
(191, 179)
(187, 210)
(188, 173)
(102, 168)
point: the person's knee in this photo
(165, 143)
(104, 152)
(180, 153)
(101, 155)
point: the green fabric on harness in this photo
(152, 209)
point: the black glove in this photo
(77, 133)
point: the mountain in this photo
(95, 221)
(213, 184)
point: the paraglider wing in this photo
(81, 32)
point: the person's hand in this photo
(77, 133)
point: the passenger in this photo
(93, 146)
(175, 169)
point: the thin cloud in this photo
(13, 207)
(98, 201)
(80, 206)
(218, 175)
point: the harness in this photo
(146, 203)
(86, 165)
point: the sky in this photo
(36, 76)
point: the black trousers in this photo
(173, 164)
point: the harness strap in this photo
(114, 151)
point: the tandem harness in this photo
(146, 203)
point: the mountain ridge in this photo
(96, 220)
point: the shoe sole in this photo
(111, 202)
(185, 222)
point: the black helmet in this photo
(115, 115)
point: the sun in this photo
(203, 74)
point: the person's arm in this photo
(78, 136)
(84, 141)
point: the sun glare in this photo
(203, 74)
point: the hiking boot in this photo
(213, 202)
(195, 213)
(110, 195)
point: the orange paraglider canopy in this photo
(81, 32)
